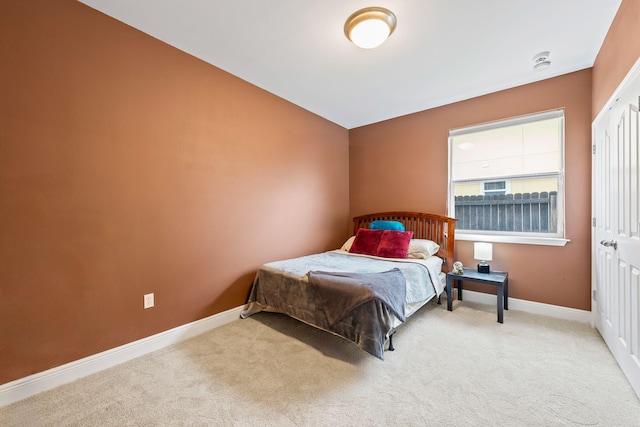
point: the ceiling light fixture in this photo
(370, 27)
(541, 61)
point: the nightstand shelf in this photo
(499, 279)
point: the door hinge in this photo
(593, 149)
(594, 295)
(593, 221)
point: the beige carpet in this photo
(458, 368)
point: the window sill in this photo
(523, 240)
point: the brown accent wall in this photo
(619, 52)
(129, 167)
(401, 164)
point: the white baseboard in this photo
(556, 311)
(33, 384)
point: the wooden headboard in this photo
(438, 228)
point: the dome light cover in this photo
(370, 27)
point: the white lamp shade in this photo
(483, 251)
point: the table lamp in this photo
(483, 252)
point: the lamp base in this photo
(483, 267)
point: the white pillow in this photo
(347, 244)
(422, 248)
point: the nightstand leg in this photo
(449, 293)
(506, 294)
(500, 303)
(459, 289)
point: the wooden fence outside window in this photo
(524, 212)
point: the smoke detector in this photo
(541, 61)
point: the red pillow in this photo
(366, 241)
(394, 244)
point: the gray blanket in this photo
(340, 293)
(284, 287)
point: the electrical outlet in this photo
(148, 301)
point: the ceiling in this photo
(442, 51)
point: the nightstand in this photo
(499, 279)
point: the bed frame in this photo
(438, 228)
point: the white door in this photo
(616, 236)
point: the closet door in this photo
(616, 236)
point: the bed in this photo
(360, 295)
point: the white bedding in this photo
(417, 293)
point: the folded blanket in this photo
(340, 293)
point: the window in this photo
(506, 179)
(495, 187)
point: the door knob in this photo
(608, 243)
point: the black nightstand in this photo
(500, 279)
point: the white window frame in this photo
(549, 239)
